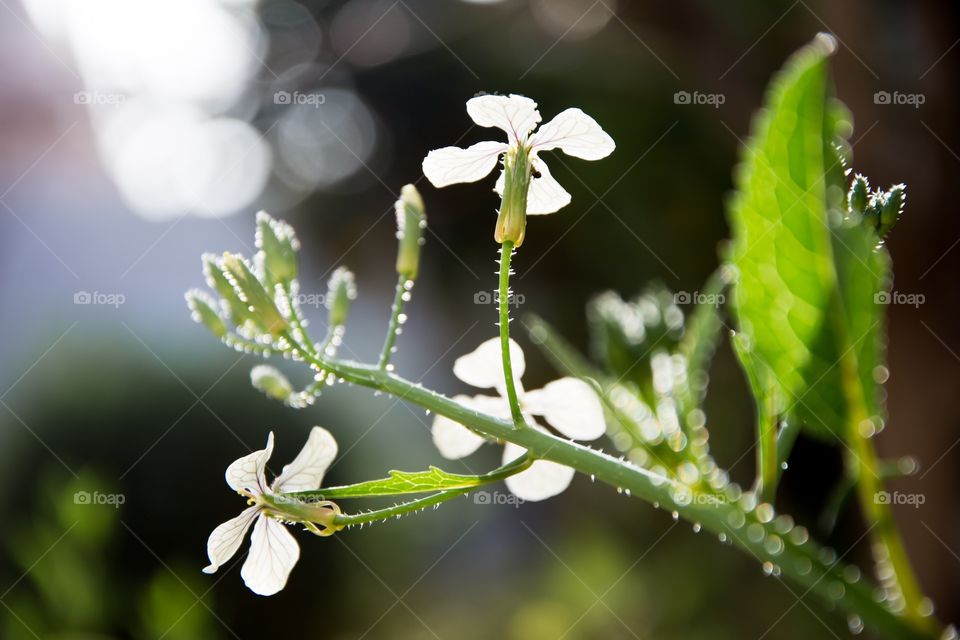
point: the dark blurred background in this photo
(138, 135)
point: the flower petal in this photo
(226, 538)
(576, 134)
(455, 441)
(484, 367)
(544, 479)
(451, 165)
(273, 552)
(545, 194)
(517, 115)
(306, 471)
(247, 473)
(571, 406)
(452, 439)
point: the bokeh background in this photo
(137, 135)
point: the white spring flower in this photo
(569, 405)
(273, 550)
(572, 131)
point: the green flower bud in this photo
(341, 290)
(278, 247)
(891, 209)
(512, 219)
(263, 310)
(411, 222)
(204, 311)
(238, 310)
(859, 194)
(271, 382)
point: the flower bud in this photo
(411, 222)
(859, 194)
(341, 290)
(512, 218)
(891, 209)
(204, 311)
(278, 247)
(271, 382)
(263, 310)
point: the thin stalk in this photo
(768, 466)
(780, 547)
(397, 510)
(889, 551)
(395, 312)
(506, 251)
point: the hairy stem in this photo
(775, 542)
(506, 251)
(396, 311)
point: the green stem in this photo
(889, 551)
(768, 466)
(506, 250)
(395, 312)
(774, 542)
(353, 519)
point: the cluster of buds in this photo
(880, 210)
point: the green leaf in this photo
(788, 194)
(405, 482)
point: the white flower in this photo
(568, 404)
(273, 550)
(572, 131)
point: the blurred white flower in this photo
(569, 405)
(273, 550)
(572, 131)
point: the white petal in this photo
(273, 552)
(452, 439)
(455, 441)
(576, 134)
(484, 367)
(451, 165)
(247, 473)
(545, 194)
(544, 479)
(517, 115)
(306, 471)
(226, 538)
(571, 406)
